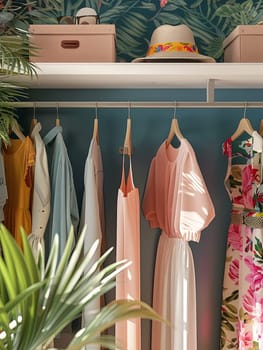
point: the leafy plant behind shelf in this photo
(38, 301)
(211, 21)
(15, 17)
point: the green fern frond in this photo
(44, 300)
(15, 17)
(14, 55)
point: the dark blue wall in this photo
(206, 129)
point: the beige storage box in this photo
(73, 43)
(244, 44)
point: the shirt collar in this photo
(52, 134)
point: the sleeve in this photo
(74, 211)
(149, 198)
(194, 203)
(59, 222)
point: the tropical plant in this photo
(15, 17)
(38, 300)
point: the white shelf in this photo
(144, 75)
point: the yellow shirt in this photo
(19, 158)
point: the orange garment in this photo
(19, 158)
(128, 332)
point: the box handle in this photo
(70, 44)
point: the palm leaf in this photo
(15, 17)
(14, 52)
(116, 311)
(131, 34)
(47, 299)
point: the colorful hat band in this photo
(172, 46)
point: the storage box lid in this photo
(78, 29)
(247, 29)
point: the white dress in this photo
(41, 193)
(92, 215)
(176, 200)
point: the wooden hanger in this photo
(33, 120)
(96, 126)
(174, 131)
(127, 147)
(57, 118)
(33, 123)
(261, 128)
(243, 126)
(96, 129)
(16, 130)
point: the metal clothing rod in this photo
(139, 104)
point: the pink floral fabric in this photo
(242, 304)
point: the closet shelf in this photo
(144, 75)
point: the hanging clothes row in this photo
(40, 196)
(176, 201)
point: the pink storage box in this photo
(73, 43)
(244, 44)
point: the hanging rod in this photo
(135, 104)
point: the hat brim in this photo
(175, 57)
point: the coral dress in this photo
(242, 305)
(128, 332)
(177, 201)
(19, 158)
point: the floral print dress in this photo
(242, 304)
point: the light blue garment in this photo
(64, 208)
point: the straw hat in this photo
(173, 43)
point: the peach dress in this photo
(176, 200)
(19, 158)
(128, 332)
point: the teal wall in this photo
(206, 129)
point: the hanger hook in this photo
(34, 110)
(96, 110)
(129, 109)
(174, 110)
(245, 110)
(57, 118)
(57, 111)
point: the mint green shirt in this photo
(64, 207)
